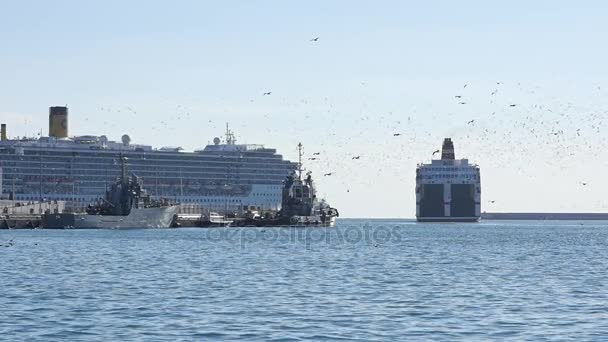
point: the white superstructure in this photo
(223, 176)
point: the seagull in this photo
(494, 92)
(466, 84)
(584, 183)
(316, 153)
(312, 158)
(357, 157)
(268, 93)
(328, 174)
(462, 103)
(493, 201)
(316, 39)
(396, 134)
(471, 122)
(512, 105)
(436, 151)
(458, 96)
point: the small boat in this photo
(215, 220)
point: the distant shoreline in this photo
(545, 216)
(539, 216)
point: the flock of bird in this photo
(536, 138)
(358, 139)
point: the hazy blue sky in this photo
(379, 67)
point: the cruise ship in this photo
(448, 189)
(222, 177)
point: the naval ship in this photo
(127, 205)
(223, 177)
(448, 189)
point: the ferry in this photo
(448, 189)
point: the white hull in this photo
(138, 218)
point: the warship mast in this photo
(300, 161)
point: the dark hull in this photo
(20, 222)
(459, 206)
(285, 222)
(448, 219)
(209, 224)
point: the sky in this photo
(173, 73)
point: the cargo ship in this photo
(223, 177)
(448, 189)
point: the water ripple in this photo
(366, 280)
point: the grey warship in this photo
(127, 205)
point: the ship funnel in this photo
(3, 132)
(447, 150)
(58, 122)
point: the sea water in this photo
(364, 280)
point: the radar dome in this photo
(216, 140)
(126, 140)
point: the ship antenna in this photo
(300, 161)
(230, 139)
(123, 168)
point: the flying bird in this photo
(316, 153)
(462, 103)
(584, 183)
(268, 93)
(465, 85)
(396, 134)
(458, 96)
(471, 122)
(316, 39)
(356, 157)
(328, 174)
(436, 151)
(512, 105)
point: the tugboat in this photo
(127, 205)
(299, 205)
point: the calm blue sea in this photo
(365, 280)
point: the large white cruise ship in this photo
(448, 189)
(222, 177)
